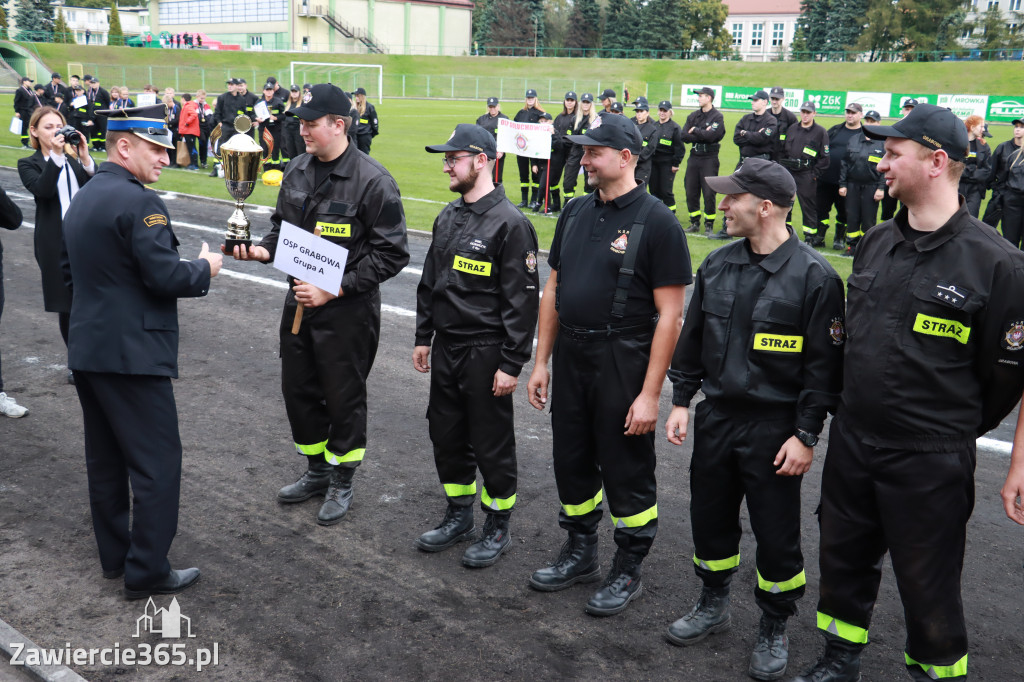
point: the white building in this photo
(94, 21)
(762, 30)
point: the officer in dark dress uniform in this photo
(619, 266)
(703, 130)
(477, 303)
(324, 367)
(489, 122)
(806, 156)
(126, 275)
(763, 340)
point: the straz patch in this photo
(531, 262)
(334, 229)
(937, 326)
(837, 331)
(155, 219)
(779, 343)
(620, 243)
(1013, 339)
(473, 267)
(950, 295)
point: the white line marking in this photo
(993, 445)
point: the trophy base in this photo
(230, 244)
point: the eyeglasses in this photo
(449, 161)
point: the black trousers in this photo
(324, 369)
(642, 172)
(190, 145)
(662, 179)
(595, 383)
(525, 175)
(363, 142)
(539, 179)
(807, 195)
(827, 197)
(470, 427)
(974, 193)
(732, 459)
(915, 505)
(293, 144)
(994, 209)
(557, 163)
(203, 147)
(571, 174)
(131, 437)
(1013, 216)
(699, 167)
(861, 210)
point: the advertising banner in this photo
(532, 140)
(1005, 108)
(898, 98)
(879, 101)
(828, 102)
(737, 98)
(965, 105)
(689, 100)
(793, 99)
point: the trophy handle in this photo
(269, 140)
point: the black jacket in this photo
(480, 283)
(1007, 154)
(806, 149)
(977, 165)
(10, 215)
(563, 125)
(490, 123)
(755, 135)
(785, 118)
(667, 141)
(708, 131)
(764, 338)
(360, 196)
(25, 102)
(127, 278)
(860, 165)
(367, 123)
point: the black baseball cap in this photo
(985, 132)
(467, 137)
(268, 86)
(571, 95)
(26, 79)
(608, 94)
(294, 88)
(39, 86)
(617, 132)
(307, 86)
(272, 80)
(232, 81)
(1014, 122)
(665, 104)
(873, 115)
(545, 116)
(531, 93)
(760, 94)
(359, 91)
(492, 101)
(855, 106)
(641, 104)
(323, 99)
(149, 123)
(930, 126)
(616, 107)
(777, 93)
(808, 106)
(705, 91)
(92, 79)
(586, 97)
(78, 86)
(910, 102)
(54, 75)
(763, 178)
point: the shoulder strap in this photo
(626, 271)
(577, 206)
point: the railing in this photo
(342, 27)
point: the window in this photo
(737, 35)
(965, 34)
(1011, 29)
(756, 34)
(1014, 5)
(777, 33)
(226, 11)
(993, 4)
(305, 43)
(255, 42)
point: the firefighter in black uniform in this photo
(703, 130)
(290, 138)
(271, 126)
(574, 156)
(530, 113)
(642, 119)
(806, 157)
(977, 166)
(367, 126)
(784, 116)
(80, 112)
(668, 155)
(324, 367)
(763, 340)
(539, 172)
(932, 362)
(860, 184)
(249, 100)
(828, 195)
(489, 122)
(756, 132)
(124, 268)
(619, 266)
(477, 301)
(98, 98)
(560, 147)
(1007, 203)
(230, 105)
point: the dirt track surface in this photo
(285, 599)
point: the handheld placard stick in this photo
(298, 311)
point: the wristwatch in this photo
(806, 437)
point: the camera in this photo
(71, 136)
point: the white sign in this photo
(307, 257)
(689, 100)
(78, 102)
(879, 101)
(965, 105)
(146, 99)
(15, 126)
(532, 140)
(261, 110)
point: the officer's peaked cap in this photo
(149, 123)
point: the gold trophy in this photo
(241, 157)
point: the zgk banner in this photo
(532, 140)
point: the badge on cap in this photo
(307, 97)
(596, 123)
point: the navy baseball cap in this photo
(777, 93)
(587, 97)
(571, 95)
(760, 94)
(531, 93)
(467, 137)
(763, 178)
(492, 101)
(323, 99)
(910, 102)
(641, 104)
(930, 126)
(617, 132)
(705, 91)
(608, 94)
(873, 115)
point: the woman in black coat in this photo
(46, 175)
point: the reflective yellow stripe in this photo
(645, 143)
(855, 235)
(636, 520)
(941, 672)
(350, 456)
(810, 152)
(695, 214)
(937, 326)
(473, 267)
(364, 120)
(810, 230)
(874, 159)
(569, 131)
(334, 229)
(782, 137)
(709, 216)
(585, 507)
(851, 633)
(778, 343)
(665, 142)
(311, 450)
(497, 504)
(799, 580)
(457, 490)
(717, 564)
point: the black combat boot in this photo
(694, 226)
(576, 563)
(526, 198)
(709, 616)
(556, 202)
(721, 234)
(839, 663)
(622, 586)
(485, 551)
(455, 527)
(314, 480)
(338, 498)
(771, 652)
(534, 199)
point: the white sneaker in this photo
(10, 408)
